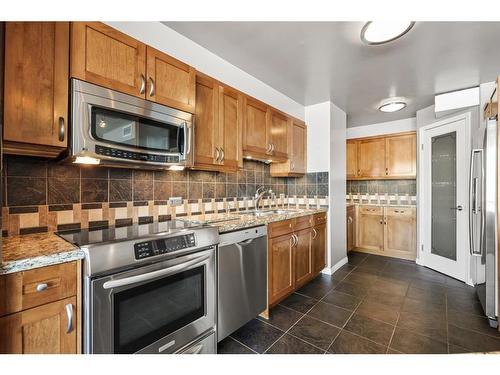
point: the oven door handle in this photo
(152, 275)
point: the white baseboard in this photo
(335, 267)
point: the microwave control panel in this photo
(163, 246)
(130, 155)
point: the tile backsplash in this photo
(391, 187)
(41, 195)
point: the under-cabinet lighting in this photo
(176, 168)
(87, 160)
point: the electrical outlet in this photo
(175, 201)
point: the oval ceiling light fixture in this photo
(392, 104)
(381, 32)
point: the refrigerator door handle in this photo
(474, 209)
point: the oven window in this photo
(134, 131)
(144, 314)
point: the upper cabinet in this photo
(296, 164)
(36, 88)
(277, 130)
(107, 57)
(218, 125)
(255, 135)
(169, 81)
(382, 157)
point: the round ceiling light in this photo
(392, 104)
(380, 32)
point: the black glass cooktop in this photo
(85, 237)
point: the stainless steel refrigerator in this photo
(483, 218)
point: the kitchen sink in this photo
(260, 213)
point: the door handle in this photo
(315, 233)
(41, 287)
(151, 87)
(143, 84)
(246, 242)
(69, 314)
(223, 155)
(151, 275)
(458, 208)
(217, 154)
(272, 147)
(62, 129)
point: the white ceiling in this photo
(313, 62)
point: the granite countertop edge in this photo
(27, 264)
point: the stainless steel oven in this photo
(149, 288)
(112, 128)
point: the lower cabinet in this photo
(296, 254)
(351, 227)
(389, 231)
(47, 329)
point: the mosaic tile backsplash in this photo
(42, 195)
(400, 187)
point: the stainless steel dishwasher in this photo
(242, 278)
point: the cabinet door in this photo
(370, 231)
(371, 158)
(352, 159)
(169, 81)
(36, 85)
(303, 257)
(278, 135)
(319, 248)
(298, 161)
(401, 156)
(350, 228)
(48, 329)
(399, 236)
(230, 127)
(255, 118)
(107, 57)
(281, 271)
(207, 122)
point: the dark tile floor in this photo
(372, 304)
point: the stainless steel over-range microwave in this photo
(112, 128)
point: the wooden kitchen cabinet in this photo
(255, 123)
(401, 156)
(277, 135)
(303, 257)
(400, 233)
(351, 227)
(169, 81)
(370, 228)
(218, 128)
(106, 57)
(47, 329)
(352, 159)
(296, 164)
(36, 88)
(382, 157)
(319, 248)
(371, 158)
(281, 268)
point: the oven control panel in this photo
(123, 154)
(163, 246)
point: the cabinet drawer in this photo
(279, 228)
(303, 222)
(371, 210)
(319, 218)
(400, 211)
(24, 290)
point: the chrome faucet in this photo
(259, 194)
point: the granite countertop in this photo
(25, 252)
(235, 221)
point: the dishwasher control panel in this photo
(148, 249)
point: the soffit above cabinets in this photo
(315, 62)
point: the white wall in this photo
(317, 118)
(174, 44)
(389, 127)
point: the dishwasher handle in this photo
(246, 242)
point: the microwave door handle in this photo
(152, 275)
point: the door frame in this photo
(422, 236)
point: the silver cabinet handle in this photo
(194, 350)
(223, 154)
(151, 275)
(151, 87)
(292, 165)
(62, 129)
(458, 208)
(268, 149)
(272, 147)
(69, 313)
(143, 84)
(41, 287)
(349, 220)
(315, 233)
(296, 239)
(217, 154)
